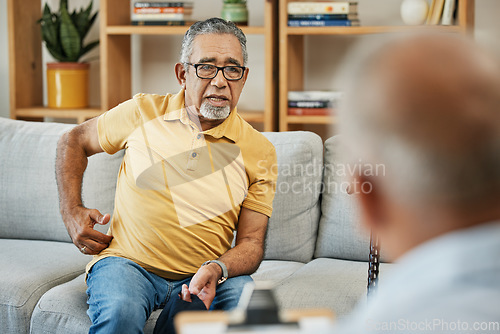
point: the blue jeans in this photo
(122, 295)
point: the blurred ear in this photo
(180, 73)
(372, 202)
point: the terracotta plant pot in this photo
(68, 85)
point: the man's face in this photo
(218, 94)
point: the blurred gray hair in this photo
(212, 26)
(459, 162)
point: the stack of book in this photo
(313, 103)
(161, 13)
(442, 11)
(323, 14)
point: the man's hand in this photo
(185, 295)
(80, 224)
(204, 283)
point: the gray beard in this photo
(210, 112)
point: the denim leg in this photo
(122, 295)
(228, 293)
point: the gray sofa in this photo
(315, 253)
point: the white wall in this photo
(154, 56)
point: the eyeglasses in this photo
(209, 71)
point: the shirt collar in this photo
(176, 110)
(228, 128)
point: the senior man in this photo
(428, 107)
(189, 178)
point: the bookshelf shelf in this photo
(292, 55)
(252, 115)
(311, 119)
(80, 115)
(365, 30)
(164, 30)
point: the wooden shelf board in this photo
(252, 115)
(311, 119)
(364, 30)
(58, 113)
(166, 30)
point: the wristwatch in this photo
(222, 266)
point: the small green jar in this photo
(235, 12)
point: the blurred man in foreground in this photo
(428, 108)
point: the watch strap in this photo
(222, 266)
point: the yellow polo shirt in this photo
(180, 190)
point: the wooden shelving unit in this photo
(26, 72)
(291, 54)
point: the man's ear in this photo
(245, 75)
(180, 73)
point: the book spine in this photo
(309, 104)
(310, 111)
(161, 10)
(431, 10)
(449, 8)
(314, 95)
(321, 16)
(158, 23)
(321, 23)
(436, 12)
(145, 4)
(343, 7)
(158, 17)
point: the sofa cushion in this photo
(324, 283)
(29, 269)
(291, 233)
(340, 234)
(63, 310)
(28, 198)
(276, 271)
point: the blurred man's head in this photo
(428, 108)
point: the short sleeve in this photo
(115, 126)
(263, 187)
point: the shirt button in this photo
(198, 136)
(193, 154)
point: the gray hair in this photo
(212, 26)
(438, 144)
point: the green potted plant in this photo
(64, 33)
(235, 11)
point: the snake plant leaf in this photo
(89, 47)
(56, 52)
(49, 26)
(63, 4)
(81, 20)
(70, 39)
(91, 22)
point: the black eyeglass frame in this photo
(219, 68)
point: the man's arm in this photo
(243, 259)
(72, 151)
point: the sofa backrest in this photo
(340, 234)
(292, 229)
(29, 205)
